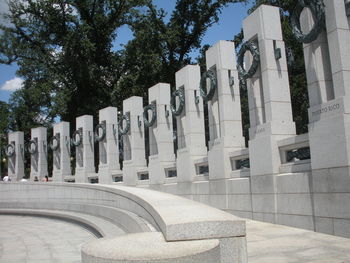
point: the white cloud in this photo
(12, 84)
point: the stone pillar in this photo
(84, 152)
(271, 90)
(61, 156)
(38, 159)
(190, 125)
(108, 147)
(270, 108)
(329, 129)
(317, 63)
(133, 141)
(161, 152)
(16, 161)
(338, 33)
(225, 125)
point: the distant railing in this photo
(202, 168)
(295, 154)
(240, 163)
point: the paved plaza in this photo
(26, 239)
(34, 239)
(270, 243)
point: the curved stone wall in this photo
(137, 210)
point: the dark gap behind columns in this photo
(146, 134)
(49, 152)
(72, 148)
(245, 114)
(96, 144)
(206, 124)
(203, 68)
(175, 141)
(121, 149)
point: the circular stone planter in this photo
(150, 247)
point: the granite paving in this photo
(30, 239)
(282, 244)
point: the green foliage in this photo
(64, 51)
(161, 48)
(65, 55)
(4, 116)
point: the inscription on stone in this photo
(260, 130)
(330, 108)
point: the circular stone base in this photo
(149, 247)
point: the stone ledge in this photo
(150, 247)
(178, 218)
(96, 225)
(185, 219)
(125, 220)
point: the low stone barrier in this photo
(181, 230)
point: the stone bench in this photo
(96, 225)
(179, 221)
(149, 247)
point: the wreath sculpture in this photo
(100, 136)
(9, 150)
(77, 141)
(124, 130)
(181, 94)
(54, 143)
(242, 73)
(151, 107)
(210, 74)
(317, 9)
(32, 147)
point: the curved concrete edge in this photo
(150, 247)
(178, 218)
(97, 226)
(183, 219)
(125, 220)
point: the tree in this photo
(64, 51)
(4, 116)
(296, 67)
(161, 48)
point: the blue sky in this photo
(229, 24)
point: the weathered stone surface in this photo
(149, 247)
